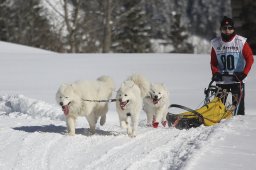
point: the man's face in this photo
(228, 29)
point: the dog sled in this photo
(212, 112)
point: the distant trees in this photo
(3, 20)
(91, 26)
(131, 31)
(71, 18)
(23, 23)
(204, 16)
(178, 36)
(249, 26)
(125, 26)
(107, 36)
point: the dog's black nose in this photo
(155, 97)
(61, 103)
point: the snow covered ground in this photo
(32, 125)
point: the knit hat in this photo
(227, 22)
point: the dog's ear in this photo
(73, 88)
(65, 85)
(163, 85)
(122, 85)
(127, 84)
(166, 89)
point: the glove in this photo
(217, 77)
(239, 76)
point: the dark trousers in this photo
(238, 92)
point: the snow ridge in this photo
(19, 105)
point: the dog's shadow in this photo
(62, 130)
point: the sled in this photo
(212, 112)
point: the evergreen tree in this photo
(204, 16)
(91, 26)
(24, 24)
(3, 13)
(178, 36)
(131, 32)
(249, 26)
(134, 24)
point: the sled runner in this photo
(212, 112)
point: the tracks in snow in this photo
(162, 148)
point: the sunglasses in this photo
(227, 28)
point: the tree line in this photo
(97, 26)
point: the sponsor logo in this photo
(234, 48)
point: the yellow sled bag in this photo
(212, 112)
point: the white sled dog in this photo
(156, 105)
(129, 102)
(72, 98)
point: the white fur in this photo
(131, 92)
(73, 96)
(156, 104)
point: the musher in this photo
(231, 61)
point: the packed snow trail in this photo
(39, 138)
(168, 148)
(35, 132)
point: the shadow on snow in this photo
(62, 130)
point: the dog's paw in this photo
(88, 133)
(132, 135)
(149, 125)
(70, 134)
(155, 124)
(102, 120)
(164, 123)
(124, 124)
(92, 131)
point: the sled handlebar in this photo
(225, 74)
(231, 75)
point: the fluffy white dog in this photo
(156, 105)
(73, 98)
(129, 102)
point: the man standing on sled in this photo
(231, 61)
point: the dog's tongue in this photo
(65, 109)
(122, 105)
(155, 101)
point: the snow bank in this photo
(19, 105)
